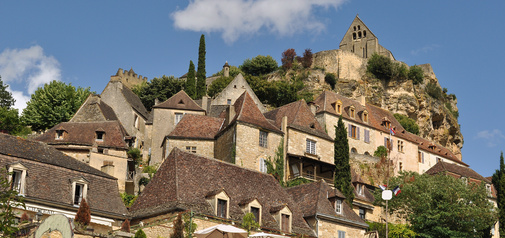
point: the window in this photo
(365, 116)
(263, 165)
(353, 131)
(362, 213)
(136, 121)
(338, 206)
(341, 234)
(191, 149)
(388, 143)
(256, 212)
(228, 101)
(178, 117)
(79, 190)
(59, 135)
(354, 151)
(222, 208)
(337, 106)
(16, 180)
(352, 112)
(400, 146)
(359, 189)
(100, 135)
(285, 223)
(420, 157)
(78, 194)
(311, 147)
(400, 166)
(367, 136)
(464, 180)
(264, 139)
(17, 177)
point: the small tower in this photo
(226, 69)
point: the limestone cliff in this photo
(436, 117)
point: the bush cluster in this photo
(384, 68)
(408, 123)
(434, 90)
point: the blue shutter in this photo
(357, 132)
(349, 130)
(386, 142)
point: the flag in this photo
(383, 187)
(397, 190)
(392, 131)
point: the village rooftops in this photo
(181, 101)
(197, 127)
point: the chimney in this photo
(230, 114)
(362, 100)
(156, 101)
(205, 103)
(284, 124)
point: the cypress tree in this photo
(83, 215)
(178, 230)
(499, 184)
(201, 86)
(191, 81)
(341, 158)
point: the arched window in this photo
(364, 34)
(354, 28)
(354, 36)
(359, 35)
(358, 27)
(354, 151)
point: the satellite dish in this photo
(387, 195)
(56, 222)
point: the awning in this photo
(266, 235)
(221, 231)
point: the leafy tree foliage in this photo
(54, 103)
(395, 230)
(83, 216)
(161, 88)
(6, 99)
(278, 93)
(498, 180)
(434, 90)
(441, 205)
(178, 229)
(140, 234)
(259, 65)
(249, 223)
(380, 66)
(400, 71)
(408, 123)
(234, 71)
(189, 225)
(190, 88)
(416, 74)
(128, 199)
(11, 123)
(9, 199)
(297, 181)
(276, 168)
(307, 58)
(201, 85)
(218, 85)
(381, 152)
(343, 181)
(331, 79)
(288, 57)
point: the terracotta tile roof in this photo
(197, 126)
(376, 117)
(367, 195)
(185, 179)
(84, 133)
(247, 111)
(135, 102)
(179, 101)
(299, 117)
(313, 199)
(49, 172)
(441, 167)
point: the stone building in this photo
(235, 88)
(166, 115)
(326, 212)
(129, 78)
(364, 199)
(54, 183)
(216, 192)
(360, 40)
(308, 149)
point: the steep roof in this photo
(313, 199)
(134, 101)
(49, 172)
(184, 180)
(237, 85)
(376, 117)
(367, 195)
(299, 117)
(197, 127)
(247, 111)
(441, 167)
(181, 101)
(358, 20)
(94, 109)
(84, 133)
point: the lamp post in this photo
(38, 215)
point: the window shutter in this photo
(357, 132)
(367, 136)
(349, 129)
(422, 155)
(386, 142)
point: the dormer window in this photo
(337, 106)
(338, 206)
(17, 178)
(220, 201)
(386, 123)
(100, 135)
(283, 216)
(79, 190)
(352, 112)
(59, 134)
(360, 189)
(253, 207)
(365, 116)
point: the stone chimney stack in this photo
(230, 114)
(362, 100)
(205, 103)
(226, 69)
(156, 101)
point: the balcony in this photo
(311, 169)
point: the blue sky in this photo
(85, 42)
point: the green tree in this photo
(400, 71)
(416, 74)
(249, 223)
(140, 234)
(259, 65)
(6, 99)
(11, 123)
(158, 88)
(380, 66)
(9, 200)
(395, 230)
(441, 205)
(178, 228)
(276, 168)
(498, 180)
(54, 103)
(343, 181)
(408, 123)
(201, 85)
(218, 85)
(381, 152)
(433, 90)
(190, 88)
(234, 71)
(128, 199)
(189, 225)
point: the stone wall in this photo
(248, 150)
(297, 145)
(128, 78)
(112, 165)
(203, 147)
(224, 147)
(329, 229)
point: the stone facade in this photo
(224, 148)
(128, 78)
(234, 89)
(330, 229)
(201, 147)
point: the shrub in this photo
(380, 66)
(400, 71)
(331, 79)
(416, 74)
(150, 169)
(408, 123)
(306, 60)
(297, 181)
(259, 65)
(128, 199)
(134, 154)
(434, 90)
(83, 216)
(178, 228)
(448, 105)
(249, 223)
(288, 57)
(381, 152)
(140, 234)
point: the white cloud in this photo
(493, 137)
(28, 67)
(424, 49)
(234, 18)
